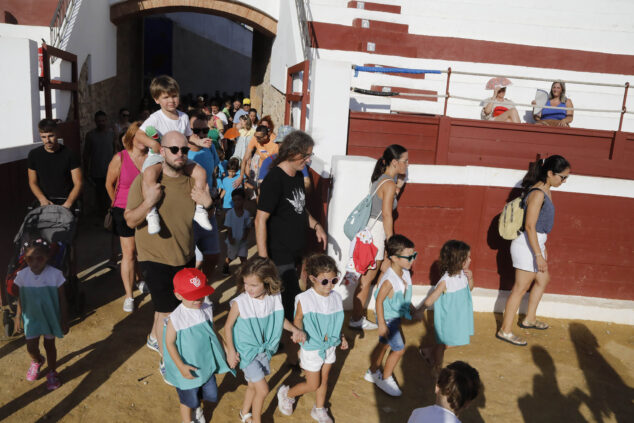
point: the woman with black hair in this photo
(387, 181)
(528, 251)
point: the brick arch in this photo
(228, 9)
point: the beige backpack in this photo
(511, 219)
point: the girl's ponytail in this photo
(392, 152)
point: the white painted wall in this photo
(19, 108)
(522, 91)
(287, 46)
(574, 24)
(328, 117)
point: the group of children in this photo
(193, 353)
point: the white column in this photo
(19, 108)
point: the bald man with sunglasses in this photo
(160, 258)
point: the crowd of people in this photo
(181, 180)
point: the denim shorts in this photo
(258, 368)
(191, 397)
(394, 338)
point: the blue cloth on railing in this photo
(358, 69)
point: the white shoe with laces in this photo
(143, 287)
(373, 377)
(284, 403)
(362, 323)
(128, 305)
(320, 414)
(389, 386)
(153, 222)
(199, 416)
(202, 218)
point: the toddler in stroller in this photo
(56, 226)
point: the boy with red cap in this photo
(194, 353)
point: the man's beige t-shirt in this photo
(174, 244)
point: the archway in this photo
(239, 12)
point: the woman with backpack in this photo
(528, 250)
(387, 181)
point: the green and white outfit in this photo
(322, 321)
(257, 332)
(40, 302)
(397, 306)
(197, 345)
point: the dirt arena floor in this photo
(577, 371)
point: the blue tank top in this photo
(546, 218)
(554, 114)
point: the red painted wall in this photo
(396, 43)
(454, 141)
(28, 12)
(589, 250)
(592, 244)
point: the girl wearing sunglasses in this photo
(393, 302)
(319, 312)
(453, 306)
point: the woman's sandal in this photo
(510, 338)
(245, 418)
(535, 325)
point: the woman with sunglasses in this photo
(387, 181)
(528, 251)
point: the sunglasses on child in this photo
(174, 149)
(326, 281)
(408, 258)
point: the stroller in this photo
(56, 225)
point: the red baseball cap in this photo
(191, 284)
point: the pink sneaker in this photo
(34, 371)
(52, 381)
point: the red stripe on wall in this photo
(589, 249)
(341, 37)
(377, 7)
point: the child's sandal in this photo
(245, 418)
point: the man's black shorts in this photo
(160, 280)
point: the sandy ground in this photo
(576, 371)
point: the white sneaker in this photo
(320, 414)
(373, 377)
(202, 218)
(362, 323)
(389, 386)
(200, 417)
(143, 287)
(153, 222)
(128, 305)
(284, 403)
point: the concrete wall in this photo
(19, 109)
(203, 66)
(219, 30)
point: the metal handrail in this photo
(623, 111)
(58, 21)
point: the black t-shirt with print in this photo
(284, 198)
(53, 170)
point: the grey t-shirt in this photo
(377, 203)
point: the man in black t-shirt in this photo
(53, 169)
(282, 218)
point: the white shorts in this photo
(312, 362)
(378, 237)
(151, 160)
(522, 254)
